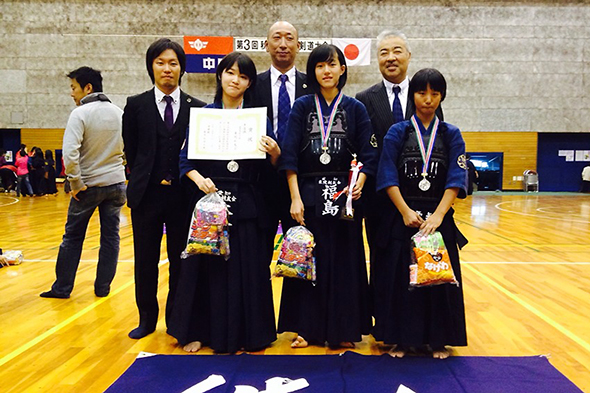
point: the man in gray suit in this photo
(387, 103)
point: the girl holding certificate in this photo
(325, 133)
(227, 305)
(422, 170)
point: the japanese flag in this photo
(356, 50)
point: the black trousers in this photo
(161, 205)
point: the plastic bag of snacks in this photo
(296, 258)
(430, 263)
(208, 233)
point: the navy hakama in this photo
(336, 308)
(422, 316)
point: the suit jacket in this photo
(274, 186)
(140, 122)
(264, 90)
(377, 104)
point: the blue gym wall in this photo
(555, 173)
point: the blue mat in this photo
(348, 373)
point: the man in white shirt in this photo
(586, 179)
(276, 89)
(154, 127)
(387, 103)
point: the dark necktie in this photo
(168, 115)
(284, 108)
(398, 114)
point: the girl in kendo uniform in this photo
(326, 130)
(423, 170)
(227, 305)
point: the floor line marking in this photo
(58, 327)
(81, 260)
(556, 325)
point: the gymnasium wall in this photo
(561, 160)
(512, 66)
(519, 148)
(47, 139)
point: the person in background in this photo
(2, 157)
(8, 176)
(154, 126)
(472, 175)
(586, 179)
(50, 187)
(22, 172)
(93, 157)
(38, 172)
(422, 170)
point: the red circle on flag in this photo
(351, 51)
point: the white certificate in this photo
(228, 134)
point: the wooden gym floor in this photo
(526, 276)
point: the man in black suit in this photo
(393, 55)
(283, 45)
(154, 128)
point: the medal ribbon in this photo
(425, 155)
(326, 129)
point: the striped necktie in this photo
(398, 114)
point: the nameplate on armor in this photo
(326, 187)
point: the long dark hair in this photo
(49, 157)
(325, 53)
(246, 67)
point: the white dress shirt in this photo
(161, 102)
(403, 94)
(275, 85)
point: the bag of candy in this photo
(430, 263)
(208, 233)
(296, 257)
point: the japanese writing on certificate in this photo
(228, 134)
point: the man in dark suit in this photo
(154, 128)
(273, 87)
(387, 103)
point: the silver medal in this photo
(233, 166)
(424, 185)
(325, 158)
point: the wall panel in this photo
(519, 148)
(46, 139)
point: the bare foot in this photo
(398, 351)
(299, 342)
(192, 346)
(441, 353)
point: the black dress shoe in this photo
(54, 295)
(141, 332)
